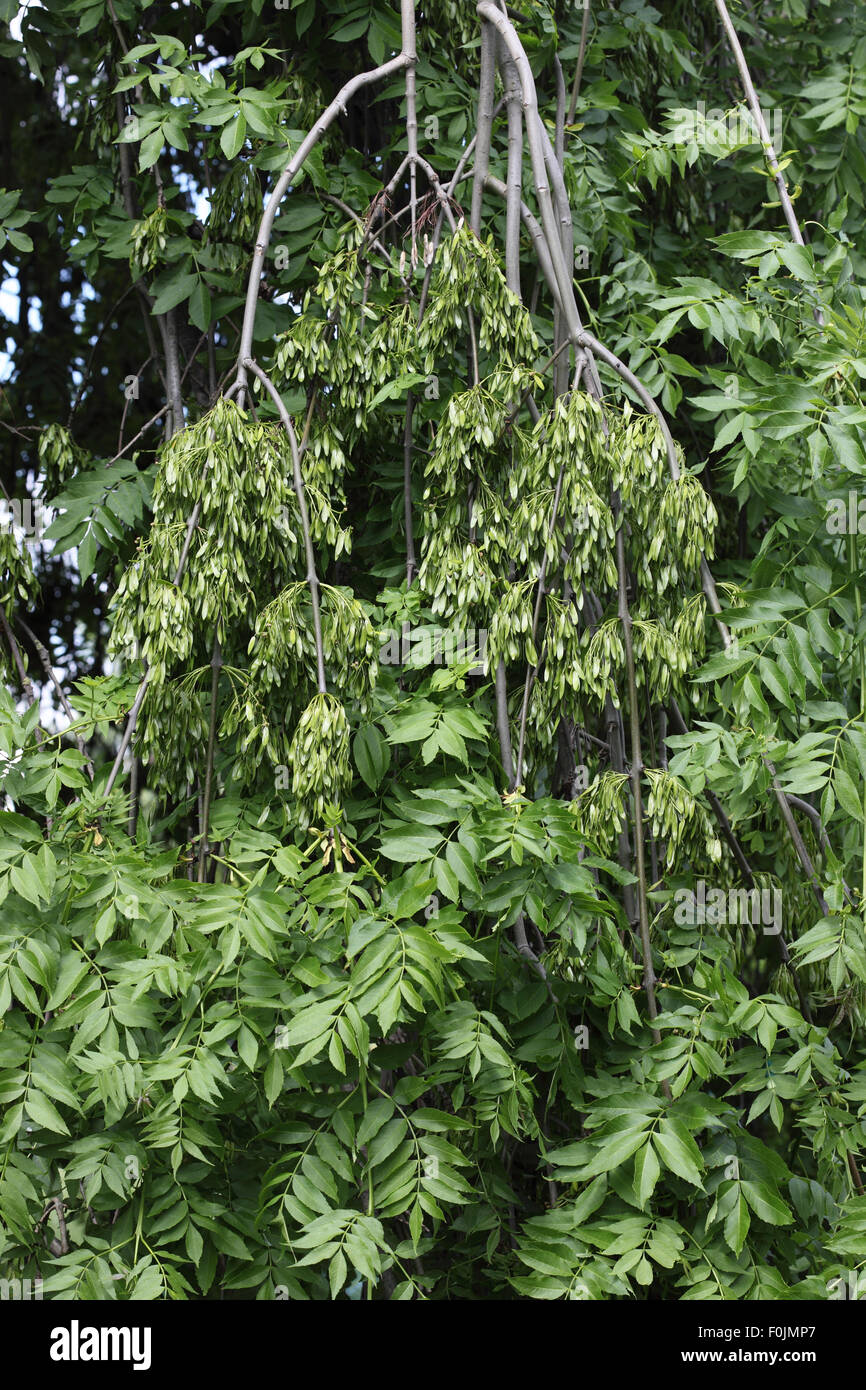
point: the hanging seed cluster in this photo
(59, 458)
(17, 581)
(561, 686)
(680, 820)
(175, 757)
(670, 522)
(684, 529)
(350, 643)
(603, 659)
(500, 502)
(282, 645)
(238, 471)
(356, 346)
(567, 442)
(468, 276)
(639, 467)
(599, 811)
(454, 575)
(319, 759)
(690, 631)
(235, 214)
(149, 238)
(658, 658)
(283, 659)
(510, 634)
(493, 516)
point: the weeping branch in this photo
(581, 56)
(745, 868)
(535, 233)
(649, 979)
(15, 652)
(289, 174)
(796, 838)
(484, 123)
(411, 561)
(514, 179)
(300, 494)
(216, 666)
(761, 126)
(137, 703)
(410, 54)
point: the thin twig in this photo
(763, 133)
(581, 55)
(216, 666)
(649, 979)
(746, 871)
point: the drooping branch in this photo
(514, 178)
(532, 671)
(410, 54)
(591, 613)
(216, 666)
(129, 730)
(798, 803)
(263, 237)
(796, 838)
(760, 123)
(636, 772)
(15, 652)
(536, 234)
(484, 123)
(180, 570)
(563, 212)
(707, 581)
(300, 494)
(411, 561)
(581, 56)
(559, 141)
(746, 871)
(172, 372)
(502, 726)
(532, 122)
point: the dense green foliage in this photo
(365, 972)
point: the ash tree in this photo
(342, 957)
